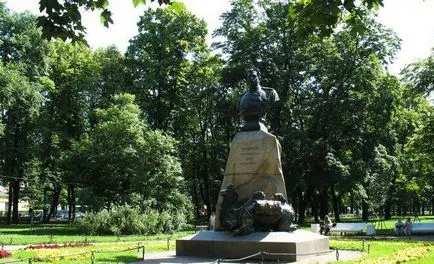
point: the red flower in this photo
(58, 246)
(4, 253)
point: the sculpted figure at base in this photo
(254, 104)
(257, 214)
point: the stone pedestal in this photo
(253, 165)
(291, 246)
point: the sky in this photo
(412, 20)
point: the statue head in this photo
(259, 195)
(279, 197)
(253, 78)
(230, 195)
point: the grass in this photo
(113, 249)
(382, 227)
(102, 253)
(63, 233)
(388, 251)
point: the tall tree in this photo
(19, 102)
(159, 59)
(122, 157)
(327, 86)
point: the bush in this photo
(127, 220)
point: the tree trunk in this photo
(10, 201)
(71, 202)
(54, 201)
(301, 209)
(303, 199)
(323, 204)
(335, 201)
(365, 213)
(387, 209)
(16, 198)
(314, 205)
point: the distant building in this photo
(23, 205)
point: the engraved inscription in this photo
(249, 155)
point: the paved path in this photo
(169, 257)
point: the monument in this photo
(252, 213)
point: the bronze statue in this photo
(256, 214)
(254, 104)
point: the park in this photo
(285, 139)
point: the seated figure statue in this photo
(254, 104)
(257, 214)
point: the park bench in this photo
(201, 228)
(422, 228)
(349, 227)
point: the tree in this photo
(321, 17)
(19, 103)
(420, 75)
(159, 59)
(122, 158)
(23, 55)
(21, 42)
(332, 92)
(63, 19)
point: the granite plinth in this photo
(253, 165)
(288, 246)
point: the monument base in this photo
(288, 246)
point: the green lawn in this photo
(63, 233)
(108, 249)
(382, 227)
(102, 253)
(388, 251)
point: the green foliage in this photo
(127, 220)
(420, 75)
(21, 43)
(322, 17)
(63, 19)
(337, 104)
(122, 156)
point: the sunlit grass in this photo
(63, 233)
(388, 251)
(102, 253)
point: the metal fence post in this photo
(143, 252)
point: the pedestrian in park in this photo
(326, 225)
(399, 227)
(212, 221)
(407, 227)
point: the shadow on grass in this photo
(60, 230)
(118, 259)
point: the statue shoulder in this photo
(271, 94)
(243, 94)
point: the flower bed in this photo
(4, 253)
(51, 246)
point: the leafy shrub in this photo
(127, 220)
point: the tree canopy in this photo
(63, 19)
(151, 128)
